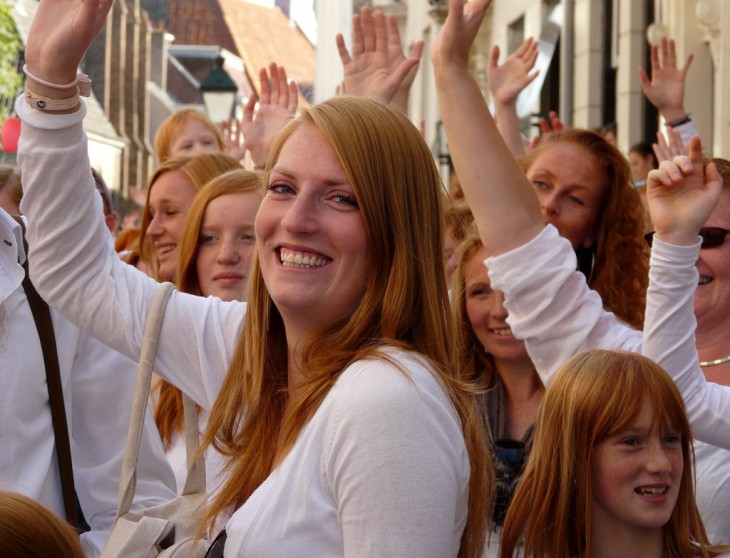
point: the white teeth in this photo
(165, 249)
(653, 491)
(705, 280)
(300, 259)
(503, 331)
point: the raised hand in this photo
(377, 68)
(665, 89)
(453, 43)
(681, 195)
(233, 138)
(277, 105)
(508, 80)
(61, 32)
(668, 150)
(550, 125)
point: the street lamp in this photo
(219, 92)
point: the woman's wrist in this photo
(677, 237)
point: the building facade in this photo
(592, 77)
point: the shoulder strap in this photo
(44, 325)
(128, 478)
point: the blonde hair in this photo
(621, 269)
(28, 530)
(169, 409)
(405, 304)
(595, 395)
(173, 124)
(199, 169)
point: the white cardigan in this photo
(380, 469)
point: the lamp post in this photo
(219, 92)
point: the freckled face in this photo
(226, 245)
(311, 238)
(636, 477)
(569, 184)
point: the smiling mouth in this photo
(651, 491)
(704, 280)
(165, 249)
(305, 260)
(502, 331)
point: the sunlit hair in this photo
(595, 395)
(476, 365)
(10, 183)
(621, 268)
(169, 409)
(173, 125)
(405, 304)
(28, 530)
(458, 217)
(199, 169)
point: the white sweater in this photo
(380, 469)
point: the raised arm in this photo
(277, 106)
(549, 303)
(74, 265)
(378, 66)
(506, 82)
(665, 88)
(681, 197)
(503, 202)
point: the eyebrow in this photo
(293, 176)
(581, 186)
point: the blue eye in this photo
(280, 188)
(539, 184)
(345, 198)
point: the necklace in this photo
(715, 362)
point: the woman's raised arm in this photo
(503, 202)
(73, 263)
(681, 197)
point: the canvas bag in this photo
(167, 530)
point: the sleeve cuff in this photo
(44, 120)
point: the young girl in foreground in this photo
(612, 464)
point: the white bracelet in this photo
(82, 81)
(39, 102)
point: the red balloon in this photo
(10, 134)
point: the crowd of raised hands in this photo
(562, 363)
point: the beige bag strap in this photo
(128, 479)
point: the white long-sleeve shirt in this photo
(97, 383)
(552, 309)
(380, 469)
